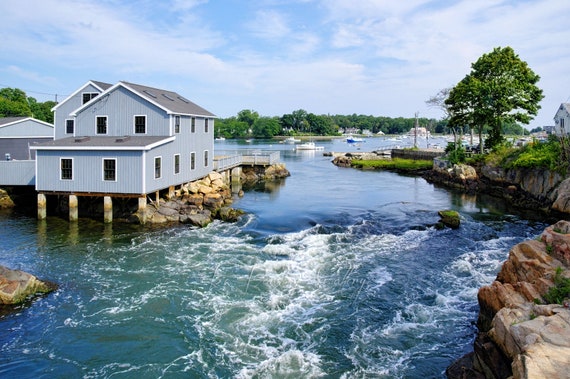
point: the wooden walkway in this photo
(227, 162)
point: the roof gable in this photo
(99, 85)
(7, 121)
(170, 102)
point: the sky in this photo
(372, 57)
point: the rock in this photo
(16, 286)
(464, 172)
(5, 200)
(230, 214)
(562, 202)
(202, 219)
(449, 218)
(519, 335)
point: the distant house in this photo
(562, 120)
(124, 140)
(17, 134)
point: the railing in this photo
(258, 158)
(226, 162)
(18, 173)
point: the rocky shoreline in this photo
(521, 335)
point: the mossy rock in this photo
(449, 218)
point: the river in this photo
(333, 273)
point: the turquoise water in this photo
(333, 273)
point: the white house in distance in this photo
(562, 120)
(123, 140)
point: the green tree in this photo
(13, 103)
(295, 121)
(500, 88)
(248, 116)
(266, 127)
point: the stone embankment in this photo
(17, 286)
(521, 335)
(6, 201)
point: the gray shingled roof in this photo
(104, 86)
(9, 120)
(169, 100)
(110, 142)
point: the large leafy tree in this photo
(500, 88)
(13, 103)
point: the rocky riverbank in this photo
(521, 335)
(17, 286)
(532, 189)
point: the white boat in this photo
(220, 139)
(308, 146)
(291, 140)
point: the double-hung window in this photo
(193, 125)
(66, 168)
(69, 126)
(206, 126)
(192, 161)
(157, 167)
(87, 96)
(140, 124)
(176, 124)
(110, 170)
(176, 163)
(101, 124)
(206, 158)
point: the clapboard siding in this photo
(88, 172)
(64, 109)
(26, 127)
(17, 173)
(120, 107)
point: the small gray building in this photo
(124, 140)
(17, 134)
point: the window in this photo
(69, 126)
(176, 124)
(157, 167)
(110, 170)
(101, 124)
(206, 158)
(87, 96)
(66, 168)
(206, 125)
(562, 125)
(192, 161)
(193, 125)
(140, 124)
(177, 163)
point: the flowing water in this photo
(333, 273)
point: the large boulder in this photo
(449, 218)
(16, 286)
(5, 200)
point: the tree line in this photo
(15, 103)
(248, 123)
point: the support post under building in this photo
(107, 209)
(73, 208)
(42, 206)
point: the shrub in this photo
(560, 290)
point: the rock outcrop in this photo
(537, 189)
(5, 200)
(449, 218)
(17, 286)
(197, 203)
(520, 334)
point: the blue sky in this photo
(374, 57)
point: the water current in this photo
(332, 273)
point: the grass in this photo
(561, 289)
(395, 164)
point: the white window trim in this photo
(135, 125)
(154, 167)
(174, 164)
(106, 125)
(72, 169)
(70, 119)
(91, 96)
(177, 117)
(103, 169)
(192, 154)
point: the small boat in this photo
(291, 140)
(308, 146)
(351, 139)
(220, 139)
